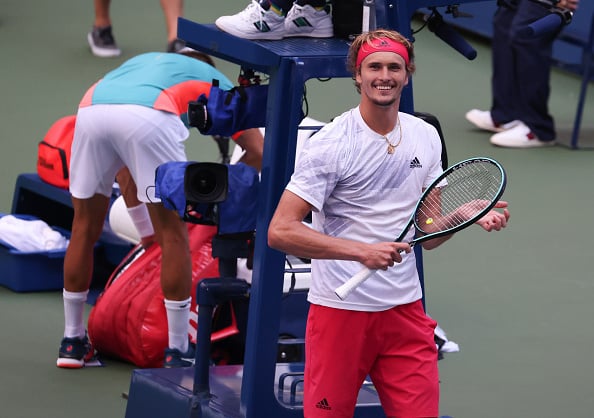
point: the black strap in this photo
(63, 158)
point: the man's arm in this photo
(287, 233)
(252, 142)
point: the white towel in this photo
(30, 235)
(447, 346)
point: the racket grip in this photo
(345, 289)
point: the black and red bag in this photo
(53, 152)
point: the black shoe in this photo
(74, 352)
(102, 43)
(175, 358)
(176, 45)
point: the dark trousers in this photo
(521, 69)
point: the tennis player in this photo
(362, 175)
(133, 117)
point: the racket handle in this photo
(344, 290)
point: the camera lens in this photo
(206, 183)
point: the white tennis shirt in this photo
(360, 192)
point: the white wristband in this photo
(142, 221)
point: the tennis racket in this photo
(460, 196)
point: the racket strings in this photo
(467, 192)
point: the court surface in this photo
(518, 303)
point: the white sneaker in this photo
(253, 22)
(307, 21)
(482, 119)
(519, 136)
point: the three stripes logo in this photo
(301, 22)
(323, 404)
(415, 163)
(262, 26)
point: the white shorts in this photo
(110, 137)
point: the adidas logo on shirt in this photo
(323, 404)
(415, 163)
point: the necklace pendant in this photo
(391, 149)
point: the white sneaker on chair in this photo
(253, 22)
(519, 136)
(307, 21)
(482, 119)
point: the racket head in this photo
(460, 196)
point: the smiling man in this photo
(361, 176)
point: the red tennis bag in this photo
(53, 152)
(129, 320)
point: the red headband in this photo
(382, 45)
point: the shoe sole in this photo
(539, 144)
(183, 362)
(266, 36)
(102, 53)
(310, 35)
(70, 363)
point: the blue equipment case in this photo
(261, 387)
(43, 271)
(32, 271)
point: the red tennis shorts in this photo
(395, 348)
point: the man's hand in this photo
(384, 254)
(495, 220)
(568, 4)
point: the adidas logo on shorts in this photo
(323, 404)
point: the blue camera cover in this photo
(236, 214)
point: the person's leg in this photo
(502, 114)
(337, 358)
(504, 69)
(172, 236)
(101, 40)
(102, 17)
(533, 70)
(176, 276)
(156, 138)
(92, 170)
(405, 373)
(87, 224)
(281, 7)
(172, 9)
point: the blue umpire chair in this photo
(261, 387)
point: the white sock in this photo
(74, 310)
(178, 320)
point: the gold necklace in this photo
(392, 147)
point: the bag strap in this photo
(62, 154)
